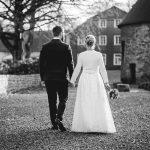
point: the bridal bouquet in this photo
(113, 94)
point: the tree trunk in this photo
(27, 36)
(18, 29)
(17, 53)
(13, 44)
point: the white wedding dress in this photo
(92, 112)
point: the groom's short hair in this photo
(57, 30)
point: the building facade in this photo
(135, 39)
(104, 26)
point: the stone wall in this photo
(137, 49)
(11, 83)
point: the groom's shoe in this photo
(54, 125)
(60, 125)
(54, 128)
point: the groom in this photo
(55, 60)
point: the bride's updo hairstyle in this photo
(90, 41)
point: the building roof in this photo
(139, 14)
(112, 12)
(90, 25)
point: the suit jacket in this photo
(55, 60)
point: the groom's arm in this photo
(41, 63)
(70, 63)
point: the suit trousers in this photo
(54, 88)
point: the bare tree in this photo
(19, 16)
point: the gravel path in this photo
(24, 124)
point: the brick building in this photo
(135, 39)
(104, 27)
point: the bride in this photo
(92, 112)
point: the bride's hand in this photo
(72, 84)
(107, 86)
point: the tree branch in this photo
(6, 6)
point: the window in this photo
(102, 23)
(116, 22)
(102, 40)
(116, 39)
(80, 41)
(104, 58)
(117, 59)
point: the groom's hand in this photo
(42, 83)
(72, 84)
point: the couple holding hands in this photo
(92, 111)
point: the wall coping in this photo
(11, 83)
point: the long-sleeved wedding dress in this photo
(92, 111)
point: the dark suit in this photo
(55, 60)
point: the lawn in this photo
(24, 123)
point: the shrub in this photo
(23, 67)
(123, 87)
(144, 82)
(144, 85)
(145, 77)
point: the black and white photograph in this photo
(74, 74)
